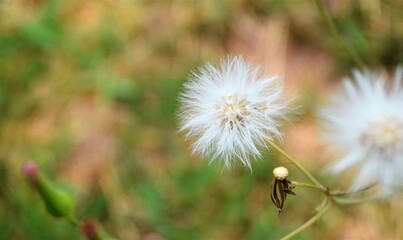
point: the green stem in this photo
(322, 210)
(336, 194)
(307, 185)
(296, 164)
(352, 201)
(73, 220)
(332, 26)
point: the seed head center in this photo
(232, 110)
(385, 135)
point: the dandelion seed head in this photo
(364, 126)
(230, 110)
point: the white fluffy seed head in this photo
(364, 123)
(229, 111)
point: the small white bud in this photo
(280, 173)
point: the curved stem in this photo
(307, 185)
(296, 164)
(322, 209)
(332, 26)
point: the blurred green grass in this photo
(77, 74)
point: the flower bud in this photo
(88, 229)
(30, 170)
(57, 202)
(92, 231)
(280, 173)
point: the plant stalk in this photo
(338, 194)
(352, 201)
(322, 210)
(296, 164)
(307, 185)
(333, 29)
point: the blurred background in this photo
(88, 89)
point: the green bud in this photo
(57, 202)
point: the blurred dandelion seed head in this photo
(385, 135)
(365, 123)
(230, 110)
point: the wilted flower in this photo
(229, 111)
(280, 187)
(364, 124)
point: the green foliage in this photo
(95, 207)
